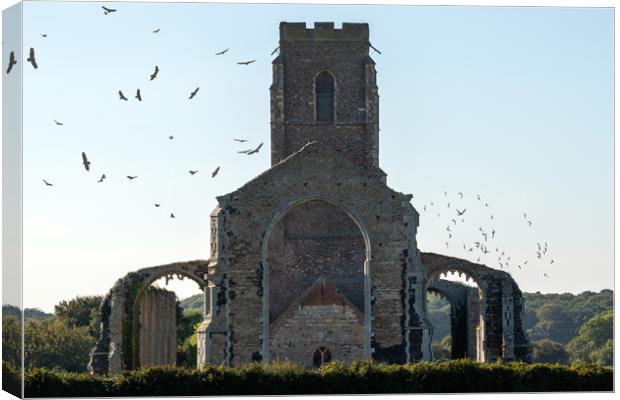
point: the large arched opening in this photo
(316, 278)
(167, 309)
(454, 307)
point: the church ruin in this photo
(316, 258)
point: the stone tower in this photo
(325, 89)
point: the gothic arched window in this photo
(321, 356)
(324, 93)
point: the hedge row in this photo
(334, 378)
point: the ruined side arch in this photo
(118, 346)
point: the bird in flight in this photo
(172, 215)
(193, 172)
(486, 205)
(551, 261)
(215, 172)
(372, 47)
(102, 178)
(191, 96)
(491, 216)
(170, 137)
(448, 205)
(274, 50)
(12, 61)
(44, 35)
(461, 195)
(156, 30)
(445, 193)
(446, 245)
(58, 123)
(256, 149)
(154, 74)
(131, 178)
(107, 10)
(240, 140)
(121, 95)
(244, 151)
(529, 223)
(545, 274)
(453, 220)
(221, 52)
(157, 205)
(478, 196)
(524, 216)
(460, 212)
(31, 59)
(85, 161)
(47, 183)
(246, 62)
(138, 95)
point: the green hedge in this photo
(334, 378)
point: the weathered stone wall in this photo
(312, 240)
(158, 329)
(393, 282)
(322, 317)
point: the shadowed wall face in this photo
(158, 328)
(316, 240)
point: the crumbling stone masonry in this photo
(158, 328)
(316, 258)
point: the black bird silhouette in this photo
(545, 274)
(12, 61)
(191, 96)
(193, 172)
(107, 10)
(85, 161)
(102, 178)
(256, 149)
(154, 74)
(47, 183)
(215, 172)
(131, 178)
(156, 30)
(44, 35)
(529, 223)
(58, 123)
(157, 205)
(460, 212)
(274, 50)
(172, 215)
(374, 48)
(138, 95)
(31, 59)
(240, 140)
(122, 96)
(245, 151)
(171, 137)
(246, 62)
(461, 195)
(221, 52)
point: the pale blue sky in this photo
(514, 104)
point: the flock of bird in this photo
(484, 245)
(85, 160)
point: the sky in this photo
(512, 104)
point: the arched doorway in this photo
(167, 309)
(315, 268)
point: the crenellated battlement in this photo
(297, 31)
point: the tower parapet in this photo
(323, 31)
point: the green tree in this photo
(56, 345)
(81, 311)
(11, 341)
(594, 343)
(548, 351)
(187, 323)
